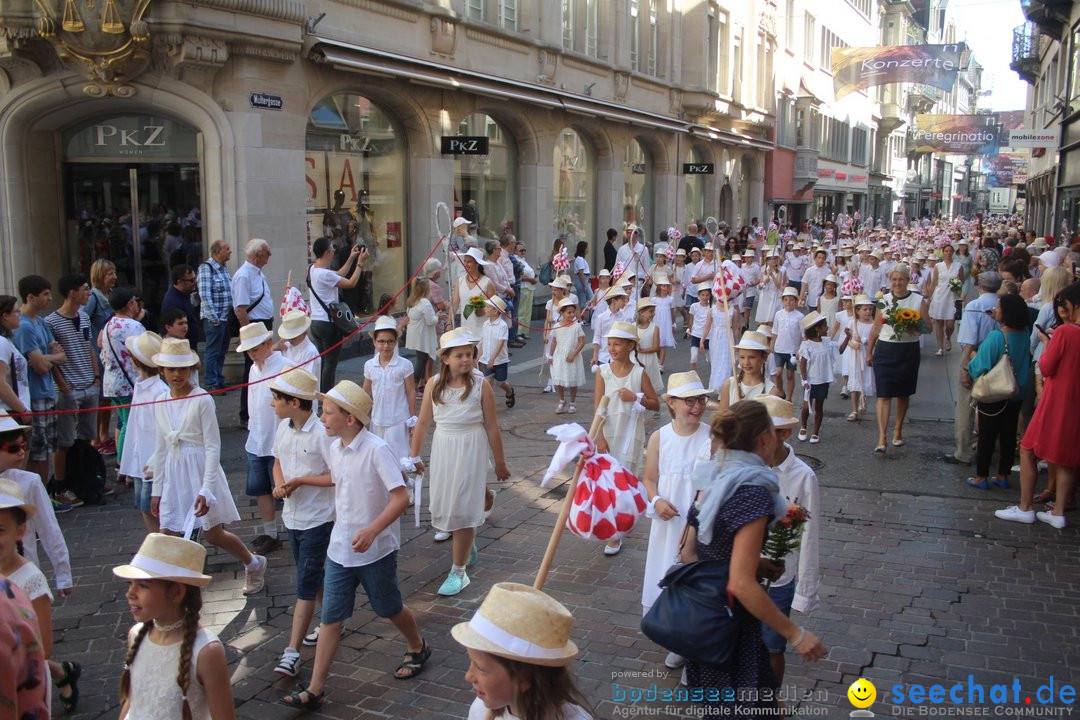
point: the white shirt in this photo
(699, 313)
(302, 352)
(704, 271)
(493, 331)
(822, 361)
(364, 472)
(248, 284)
(788, 331)
(634, 258)
(795, 266)
(479, 711)
(42, 527)
(302, 452)
(10, 356)
(751, 273)
(871, 278)
(582, 265)
(799, 484)
(324, 282)
(813, 283)
(262, 422)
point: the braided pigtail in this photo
(192, 604)
(738, 382)
(125, 679)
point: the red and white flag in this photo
(293, 300)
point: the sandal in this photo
(853, 417)
(880, 450)
(413, 663)
(510, 398)
(304, 699)
(72, 673)
(1044, 497)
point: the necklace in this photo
(172, 627)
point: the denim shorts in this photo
(782, 596)
(143, 490)
(309, 554)
(379, 580)
(819, 391)
(260, 475)
(785, 360)
(43, 439)
(696, 342)
(500, 371)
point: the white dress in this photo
(389, 406)
(719, 354)
(860, 375)
(678, 455)
(187, 458)
(664, 322)
(846, 321)
(768, 299)
(484, 288)
(828, 307)
(625, 442)
(567, 374)
(420, 335)
(459, 459)
(140, 435)
(155, 694)
(651, 361)
(942, 302)
(749, 392)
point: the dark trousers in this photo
(419, 366)
(324, 334)
(247, 371)
(997, 427)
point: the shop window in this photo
(695, 189)
(575, 189)
(637, 189)
(485, 186)
(354, 166)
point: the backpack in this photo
(547, 273)
(85, 472)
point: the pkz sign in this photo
(464, 145)
(264, 101)
(128, 136)
(698, 168)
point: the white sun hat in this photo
(175, 353)
(351, 398)
(294, 324)
(298, 383)
(166, 557)
(622, 331)
(144, 346)
(252, 336)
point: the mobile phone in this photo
(1043, 330)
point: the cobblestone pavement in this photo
(921, 584)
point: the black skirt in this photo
(896, 368)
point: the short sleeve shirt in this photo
(249, 287)
(303, 452)
(76, 335)
(33, 334)
(17, 370)
(324, 283)
(119, 370)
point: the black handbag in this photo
(695, 616)
(339, 313)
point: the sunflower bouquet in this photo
(785, 535)
(901, 319)
(956, 285)
(476, 302)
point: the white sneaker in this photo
(1015, 469)
(1043, 466)
(1015, 514)
(571, 408)
(1056, 521)
(312, 638)
(674, 661)
(255, 580)
(549, 388)
(560, 408)
(288, 664)
(441, 536)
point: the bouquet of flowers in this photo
(902, 320)
(785, 535)
(475, 303)
(956, 285)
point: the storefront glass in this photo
(485, 186)
(355, 171)
(695, 190)
(638, 190)
(575, 194)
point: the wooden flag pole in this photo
(556, 534)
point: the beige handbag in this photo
(998, 384)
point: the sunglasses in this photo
(14, 447)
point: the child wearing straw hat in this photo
(751, 379)
(174, 667)
(819, 364)
(602, 321)
(174, 322)
(388, 379)
(665, 318)
(14, 513)
(630, 392)
(787, 335)
(699, 313)
(567, 368)
(189, 487)
(141, 435)
(296, 343)
(302, 480)
(462, 406)
(519, 653)
(369, 497)
(648, 341)
(494, 355)
(719, 334)
(860, 375)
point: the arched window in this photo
(695, 189)
(638, 190)
(485, 186)
(575, 189)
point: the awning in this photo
(357, 58)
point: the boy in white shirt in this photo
(601, 323)
(295, 344)
(494, 355)
(302, 480)
(258, 343)
(788, 332)
(369, 498)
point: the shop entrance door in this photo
(167, 220)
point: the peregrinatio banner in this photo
(862, 67)
(983, 134)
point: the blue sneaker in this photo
(59, 507)
(472, 556)
(454, 584)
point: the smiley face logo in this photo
(862, 693)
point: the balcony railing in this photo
(1025, 52)
(1052, 16)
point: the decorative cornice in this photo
(280, 53)
(386, 8)
(285, 10)
(481, 36)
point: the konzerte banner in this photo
(983, 134)
(861, 67)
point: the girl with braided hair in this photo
(750, 379)
(165, 582)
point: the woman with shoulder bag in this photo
(739, 497)
(997, 420)
(324, 283)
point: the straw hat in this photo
(166, 557)
(662, 280)
(753, 340)
(11, 496)
(780, 410)
(789, 292)
(567, 302)
(680, 251)
(384, 322)
(862, 300)
(704, 286)
(831, 278)
(176, 353)
(497, 302)
(8, 424)
(748, 253)
(351, 398)
(645, 302)
(695, 249)
(458, 337)
(812, 318)
(604, 273)
(623, 331)
(520, 623)
(252, 336)
(708, 246)
(614, 292)
(877, 254)
(294, 324)
(297, 383)
(684, 385)
(764, 330)
(144, 346)
(558, 283)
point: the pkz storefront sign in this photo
(265, 102)
(698, 168)
(464, 145)
(130, 136)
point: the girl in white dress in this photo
(772, 281)
(421, 337)
(682, 273)
(462, 406)
(560, 290)
(829, 302)
(718, 332)
(699, 314)
(388, 380)
(943, 300)
(567, 367)
(603, 278)
(141, 435)
(860, 375)
(186, 464)
(630, 393)
(845, 316)
(665, 318)
(648, 341)
(752, 379)
(174, 667)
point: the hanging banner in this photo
(861, 67)
(983, 134)
(1005, 169)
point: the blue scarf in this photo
(718, 481)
